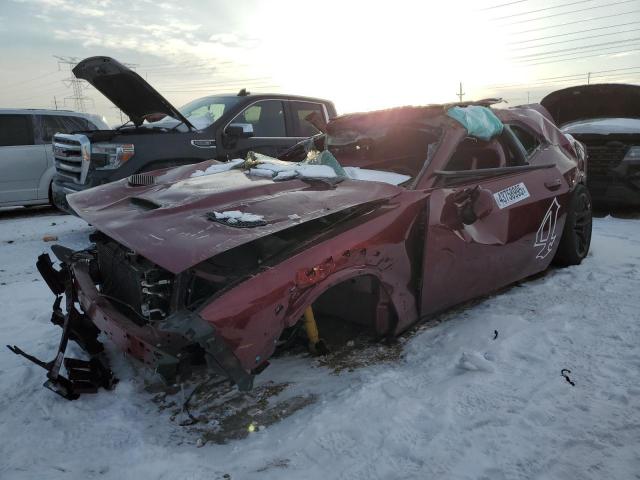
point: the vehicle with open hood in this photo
(159, 135)
(606, 118)
(390, 217)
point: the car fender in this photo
(45, 182)
(251, 315)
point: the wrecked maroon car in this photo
(401, 214)
(606, 119)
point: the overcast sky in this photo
(361, 54)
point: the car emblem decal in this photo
(546, 234)
(511, 195)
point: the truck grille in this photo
(72, 156)
(603, 158)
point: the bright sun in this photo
(368, 55)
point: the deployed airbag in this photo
(480, 122)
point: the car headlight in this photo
(107, 156)
(633, 155)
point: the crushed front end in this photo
(145, 310)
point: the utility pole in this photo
(460, 93)
(55, 102)
(77, 85)
(528, 97)
(588, 78)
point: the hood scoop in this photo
(144, 203)
(141, 180)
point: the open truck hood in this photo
(606, 100)
(167, 222)
(125, 88)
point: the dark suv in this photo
(158, 135)
(606, 118)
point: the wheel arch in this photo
(386, 319)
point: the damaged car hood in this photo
(593, 101)
(126, 89)
(170, 221)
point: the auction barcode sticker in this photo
(511, 195)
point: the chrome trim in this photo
(85, 149)
(66, 146)
(211, 145)
(68, 168)
(76, 142)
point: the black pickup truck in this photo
(158, 135)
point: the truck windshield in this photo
(204, 111)
(201, 112)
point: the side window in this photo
(475, 154)
(267, 118)
(15, 130)
(300, 110)
(528, 140)
(76, 124)
(52, 124)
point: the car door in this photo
(21, 161)
(271, 135)
(495, 217)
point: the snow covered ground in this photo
(458, 404)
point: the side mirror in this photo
(467, 207)
(239, 130)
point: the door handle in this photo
(553, 184)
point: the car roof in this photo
(277, 96)
(44, 111)
(404, 114)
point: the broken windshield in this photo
(402, 149)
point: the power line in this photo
(577, 39)
(582, 57)
(563, 76)
(583, 47)
(574, 79)
(569, 12)
(568, 54)
(22, 82)
(573, 33)
(501, 5)
(595, 52)
(574, 22)
(540, 10)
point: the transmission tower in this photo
(79, 98)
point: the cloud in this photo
(85, 8)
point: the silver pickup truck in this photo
(27, 163)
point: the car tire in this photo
(576, 236)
